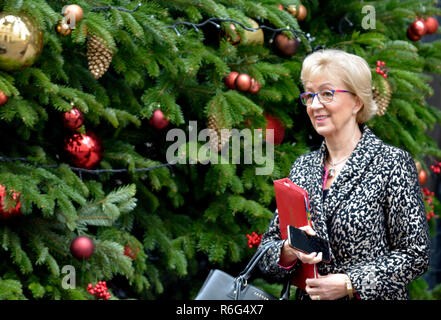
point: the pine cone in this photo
(382, 100)
(218, 139)
(99, 56)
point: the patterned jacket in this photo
(373, 217)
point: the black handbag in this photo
(222, 286)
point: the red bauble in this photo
(233, 28)
(84, 150)
(82, 247)
(288, 47)
(73, 119)
(422, 177)
(418, 27)
(158, 120)
(3, 98)
(243, 82)
(278, 127)
(14, 210)
(131, 252)
(255, 86)
(431, 25)
(231, 79)
(412, 36)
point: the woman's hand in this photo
(329, 287)
(289, 254)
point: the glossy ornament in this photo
(249, 37)
(230, 80)
(253, 37)
(255, 86)
(287, 47)
(12, 211)
(63, 28)
(84, 150)
(431, 25)
(411, 36)
(73, 119)
(3, 98)
(243, 82)
(130, 252)
(21, 41)
(278, 128)
(422, 177)
(300, 14)
(158, 120)
(82, 247)
(418, 166)
(236, 39)
(73, 14)
(418, 27)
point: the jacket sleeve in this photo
(407, 234)
(269, 264)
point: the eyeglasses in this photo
(325, 96)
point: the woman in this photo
(364, 195)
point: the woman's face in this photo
(331, 118)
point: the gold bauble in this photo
(21, 41)
(253, 37)
(418, 165)
(300, 14)
(63, 28)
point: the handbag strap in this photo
(246, 273)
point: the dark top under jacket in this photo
(373, 216)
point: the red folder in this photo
(293, 207)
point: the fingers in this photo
(314, 290)
(311, 258)
(309, 231)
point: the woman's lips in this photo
(321, 118)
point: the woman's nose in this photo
(315, 102)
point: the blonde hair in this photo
(351, 69)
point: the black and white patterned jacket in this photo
(373, 217)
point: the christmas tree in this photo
(100, 200)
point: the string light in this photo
(94, 171)
(214, 21)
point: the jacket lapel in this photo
(316, 193)
(352, 172)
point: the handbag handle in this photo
(241, 280)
